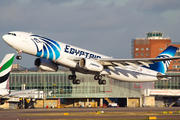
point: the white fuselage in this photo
(62, 54)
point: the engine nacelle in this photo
(44, 64)
(91, 65)
(2, 102)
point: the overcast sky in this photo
(102, 26)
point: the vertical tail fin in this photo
(5, 68)
(162, 66)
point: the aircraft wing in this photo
(134, 62)
(20, 92)
(123, 62)
(138, 59)
(26, 95)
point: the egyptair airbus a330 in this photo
(52, 53)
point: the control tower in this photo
(154, 35)
(149, 47)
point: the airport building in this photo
(88, 91)
(151, 47)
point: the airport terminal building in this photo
(123, 93)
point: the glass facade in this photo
(61, 87)
(174, 83)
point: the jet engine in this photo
(91, 65)
(2, 102)
(44, 64)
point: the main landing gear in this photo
(77, 81)
(18, 57)
(99, 78)
(73, 78)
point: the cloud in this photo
(102, 26)
(158, 6)
(57, 1)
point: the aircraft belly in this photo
(130, 76)
(67, 63)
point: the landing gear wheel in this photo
(73, 77)
(103, 82)
(18, 57)
(78, 81)
(74, 81)
(100, 82)
(70, 77)
(97, 77)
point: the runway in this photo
(14, 114)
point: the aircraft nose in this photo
(7, 39)
(4, 37)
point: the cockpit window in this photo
(12, 34)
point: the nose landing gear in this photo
(18, 57)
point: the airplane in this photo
(5, 69)
(52, 53)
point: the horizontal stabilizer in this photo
(160, 76)
(164, 76)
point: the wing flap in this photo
(132, 64)
(119, 64)
(144, 63)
